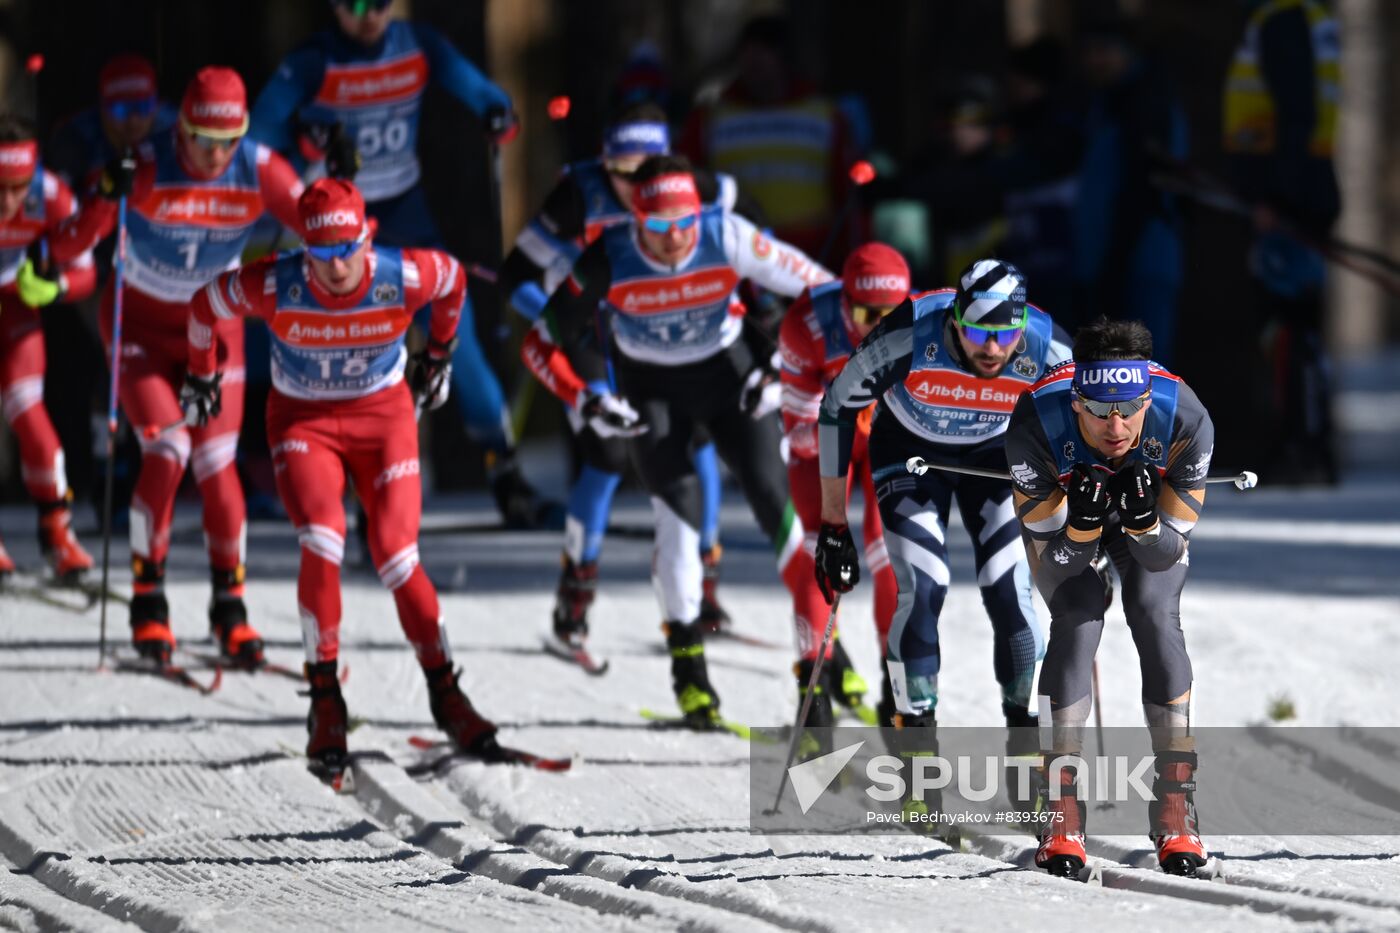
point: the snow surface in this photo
(128, 800)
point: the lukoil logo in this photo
(1119, 375)
(217, 108)
(882, 283)
(337, 218)
(977, 778)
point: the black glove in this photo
(1088, 497)
(201, 398)
(501, 125)
(430, 374)
(342, 158)
(118, 177)
(1133, 490)
(762, 392)
(838, 569)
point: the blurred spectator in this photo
(1040, 170)
(786, 144)
(1128, 252)
(1280, 119)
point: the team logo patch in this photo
(762, 246)
(931, 352)
(1023, 474)
(1025, 366)
(1069, 450)
(1060, 555)
(294, 293)
(1152, 449)
(386, 291)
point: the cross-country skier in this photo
(590, 197)
(677, 332)
(369, 75)
(946, 367)
(1109, 454)
(195, 195)
(819, 333)
(33, 203)
(127, 114)
(341, 406)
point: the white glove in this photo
(610, 416)
(762, 393)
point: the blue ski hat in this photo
(647, 138)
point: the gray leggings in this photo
(1152, 603)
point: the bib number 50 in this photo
(374, 138)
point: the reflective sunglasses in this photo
(210, 143)
(1004, 334)
(335, 250)
(869, 314)
(121, 109)
(1101, 410)
(664, 224)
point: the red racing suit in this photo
(22, 355)
(815, 342)
(339, 407)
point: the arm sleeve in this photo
(79, 273)
(562, 325)
(777, 266)
(280, 186)
(273, 119)
(881, 360)
(451, 70)
(1057, 551)
(1183, 492)
(432, 276)
(98, 217)
(247, 292)
(801, 375)
(545, 249)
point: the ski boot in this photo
(7, 564)
(326, 721)
(713, 618)
(690, 678)
(455, 715)
(150, 613)
(1022, 745)
(847, 686)
(916, 736)
(519, 504)
(60, 547)
(239, 642)
(1172, 815)
(578, 585)
(819, 715)
(1061, 851)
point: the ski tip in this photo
(423, 743)
(345, 675)
(1091, 874)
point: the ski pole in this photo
(1247, 479)
(807, 701)
(119, 263)
(861, 174)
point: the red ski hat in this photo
(331, 211)
(875, 275)
(126, 77)
(215, 104)
(672, 193)
(18, 160)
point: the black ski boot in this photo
(150, 613)
(455, 715)
(713, 618)
(690, 678)
(326, 721)
(239, 643)
(916, 736)
(519, 504)
(819, 714)
(578, 585)
(847, 686)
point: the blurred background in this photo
(1103, 146)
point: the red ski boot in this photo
(1061, 851)
(326, 722)
(455, 715)
(59, 545)
(1172, 815)
(239, 642)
